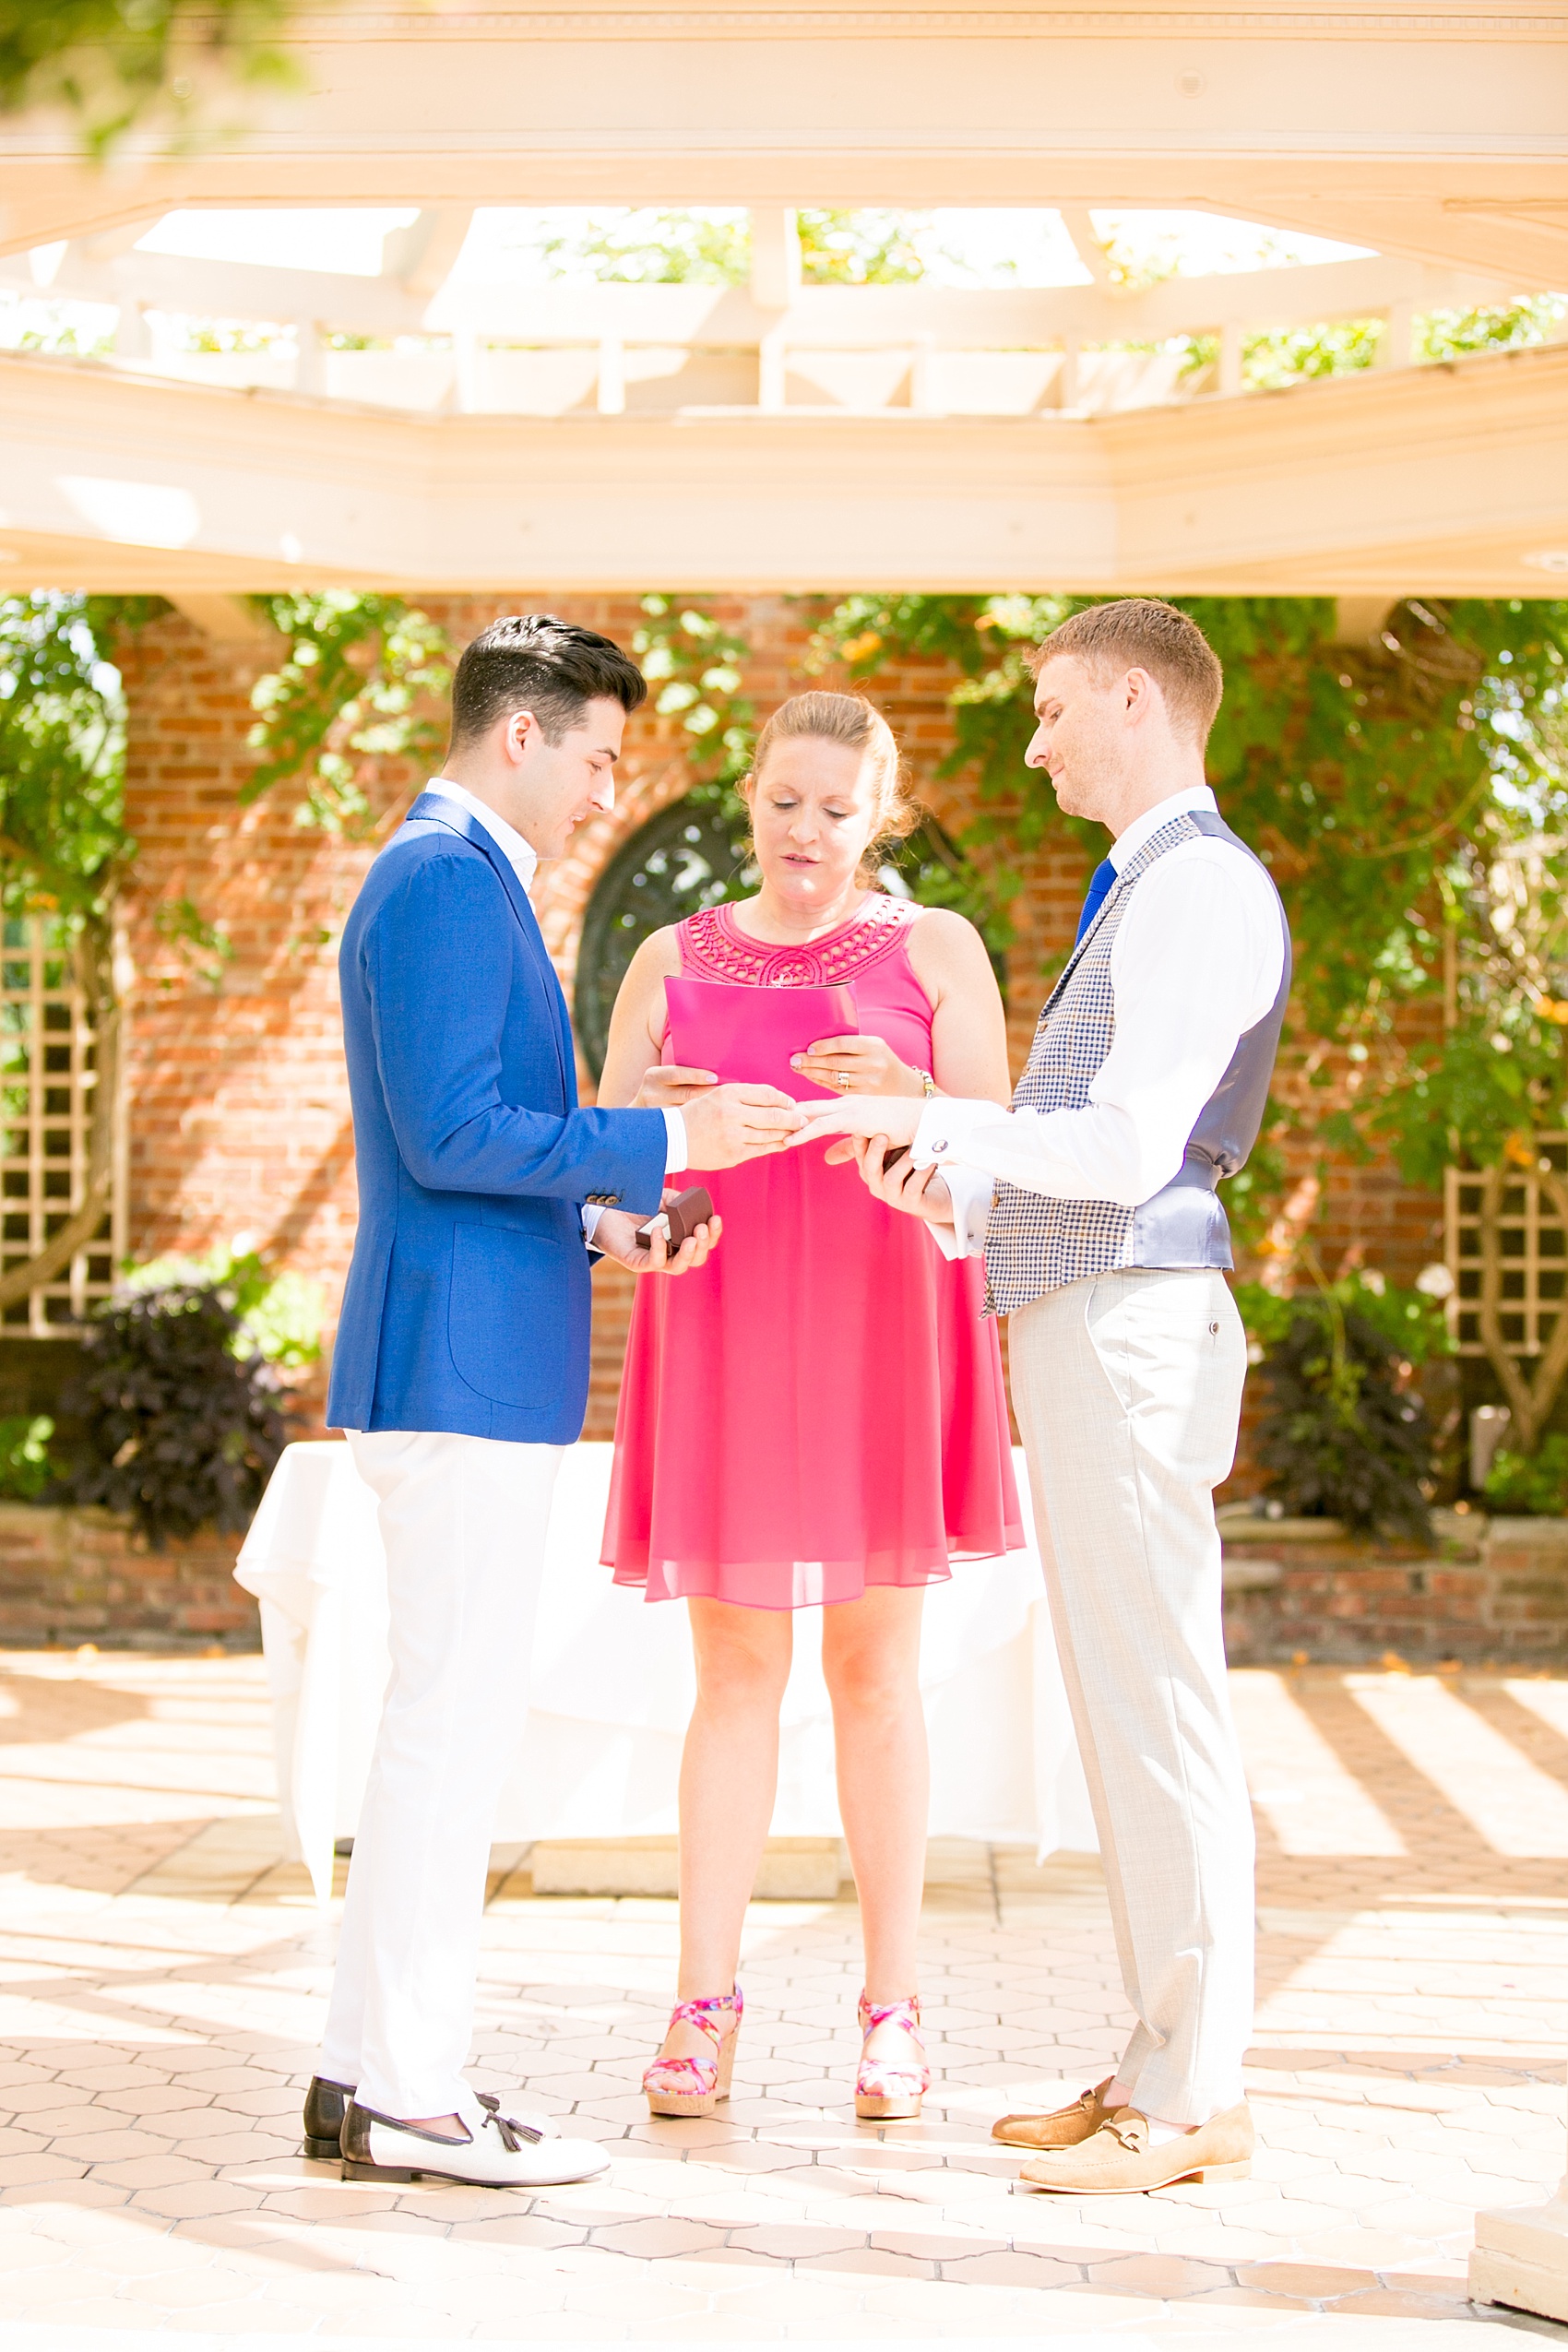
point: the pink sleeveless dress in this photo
(821, 1407)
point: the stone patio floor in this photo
(162, 1983)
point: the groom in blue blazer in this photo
(461, 1364)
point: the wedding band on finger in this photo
(844, 1081)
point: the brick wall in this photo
(239, 1114)
(74, 1577)
(238, 1107)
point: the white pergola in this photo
(786, 437)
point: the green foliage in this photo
(121, 65)
(1447, 334)
(1408, 1321)
(1295, 354)
(27, 1467)
(63, 839)
(179, 1427)
(181, 922)
(703, 247)
(694, 667)
(1275, 357)
(841, 248)
(279, 1316)
(712, 247)
(1346, 1432)
(361, 683)
(1530, 1485)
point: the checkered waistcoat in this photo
(1035, 1244)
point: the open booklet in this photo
(751, 1032)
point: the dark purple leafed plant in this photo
(177, 1429)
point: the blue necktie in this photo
(1100, 881)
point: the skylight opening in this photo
(346, 240)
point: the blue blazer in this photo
(468, 1299)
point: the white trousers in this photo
(463, 1521)
(1128, 1392)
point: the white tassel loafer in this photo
(508, 2146)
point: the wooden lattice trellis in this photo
(1532, 1257)
(1507, 1250)
(49, 1076)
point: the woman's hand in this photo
(666, 1086)
(616, 1234)
(857, 1065)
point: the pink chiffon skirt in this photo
(819, 1409)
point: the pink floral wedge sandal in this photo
(696, 2085)
(885, 2093)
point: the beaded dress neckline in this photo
(717, 948)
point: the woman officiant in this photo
(819, 1417)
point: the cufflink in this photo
(938, 1145)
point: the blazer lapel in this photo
(434, 808)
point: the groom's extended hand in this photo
(739, 1121)
(893, 1118)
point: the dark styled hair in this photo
(1141, 633)
(533, 661)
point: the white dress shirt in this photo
(1196, 961)
(523, 858)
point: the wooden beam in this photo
(830, 317)
(1434, 130)
(1451, 479)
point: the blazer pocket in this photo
(506, 1314)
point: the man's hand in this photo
(668, 1088)
(864, 1115)
(616, 1234)
(918, 1192)
(739, 1121)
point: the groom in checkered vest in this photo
(1095, 1202)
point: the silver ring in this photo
(844, 1081)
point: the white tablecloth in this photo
(612, 1685)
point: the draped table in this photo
(612, 1685)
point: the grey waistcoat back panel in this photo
(1037, 1244)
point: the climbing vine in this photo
(362, 681)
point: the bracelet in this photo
(928, 1083)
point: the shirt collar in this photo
(1128, 843)
(520, 855)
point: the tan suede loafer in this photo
(1062, 2128)
(1119, 2162)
